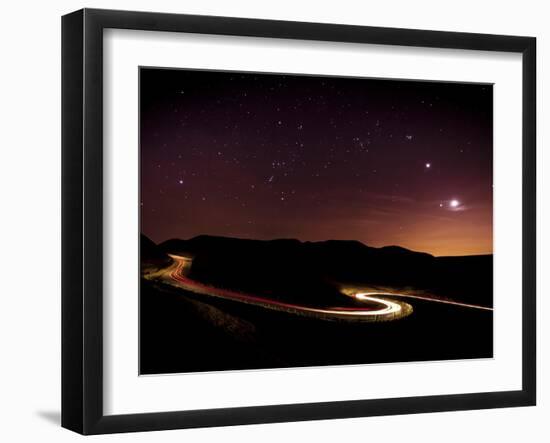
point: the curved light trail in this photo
(366, 295)
(380, 309)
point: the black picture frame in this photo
(82, 218)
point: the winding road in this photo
(377, 305)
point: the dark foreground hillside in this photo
(181, 331)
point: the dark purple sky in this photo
(315, 158)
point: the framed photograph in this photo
(269, 221)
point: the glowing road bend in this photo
(380, 309)
(362, 295)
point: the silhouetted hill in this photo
(152, 256)
(308, 271)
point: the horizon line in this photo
(319, 241)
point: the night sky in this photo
(315, 158)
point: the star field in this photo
(316, 158)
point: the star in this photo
(454, 203)
(428, 165)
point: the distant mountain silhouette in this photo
(308, 271)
